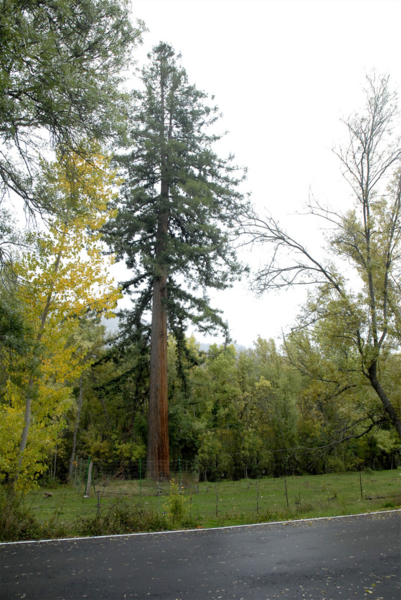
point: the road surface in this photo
(346, 558)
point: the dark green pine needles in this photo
(177, 215)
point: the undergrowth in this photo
(18, 521)
(121, 517)
(63, 513)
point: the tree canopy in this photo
(177, 214)
(60, 278)
(60, 76)
(169, 206)
(357, 317)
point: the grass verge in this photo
(128, 507)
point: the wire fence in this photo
(97, 486)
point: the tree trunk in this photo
(55, 463)
(372, 371)
(158, 467)
(105, 411)
(158, 442)
(28, 401)
(74, 439)
(25, 431)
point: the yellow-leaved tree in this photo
(62, 277)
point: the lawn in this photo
(230, 502)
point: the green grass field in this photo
(231, 503)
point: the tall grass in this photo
(131, 506)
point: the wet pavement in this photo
(345, 558)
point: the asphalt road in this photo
(347, 558)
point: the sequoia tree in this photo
(177, 213)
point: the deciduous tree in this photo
(60, 69)
(361, 321)
(62, 277)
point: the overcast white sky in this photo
(283, 74)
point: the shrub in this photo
(122, 517)
(176, 504)
(17, 522)
(335, 465)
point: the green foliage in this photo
(251, 413)
(16, 335)
(67, 514)
(19, 522)
(122, 517)
(16, 520)
(60, 69)
(58, 279)
(350, 324)
(180, 204)
(176, 505)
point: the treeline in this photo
(231, 414)
(136, 178)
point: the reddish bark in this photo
(158, 466)
(158, 442)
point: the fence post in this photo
(360, 484)
(257, 498)
(217, 501)
(80, 476)
(87, 468)
(88, 478)
(140, 477)
(98, 503)
(286, 492)
(179, 472)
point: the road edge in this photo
(200, 530)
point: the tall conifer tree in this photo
(177, 213)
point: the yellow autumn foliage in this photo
(62, 277)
